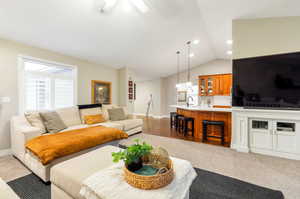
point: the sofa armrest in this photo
(30, 132)
(21, 131)
(131, 116)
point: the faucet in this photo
(188, 101)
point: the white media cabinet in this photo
(269, 132)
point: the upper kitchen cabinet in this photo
(212, 85)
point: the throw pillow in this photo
(116, 114)
(70, 116)
(53, 122)
(35, 120)
(93, 119)
(89, 111)
(105, 108)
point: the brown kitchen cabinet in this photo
(212, 85)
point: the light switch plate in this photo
(4, 99)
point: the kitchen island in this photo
(200, 113)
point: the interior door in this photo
(261, 134)
(284, 133)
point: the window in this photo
(46, 85)
(193, 92)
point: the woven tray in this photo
(149, 182)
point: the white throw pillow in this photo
(70, 116)
(35, 120)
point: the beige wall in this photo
(87, 71)
(259, 37)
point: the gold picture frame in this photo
(101, 92)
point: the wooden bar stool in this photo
(173, 118)
(188, 120)
(205, 123)
(180, 123)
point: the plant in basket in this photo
(133, 155)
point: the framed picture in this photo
(181, 96)
(131, 90)
(130, 96)
(101, 92)
(130, 83)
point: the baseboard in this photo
(151, 115)
(5, 152)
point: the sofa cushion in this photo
(110, 124)
(130, 124)
(105, 107)
(93, 119)
(53, 122)
(116, 114)
(70, 116)
(89, 111)
(35, 120)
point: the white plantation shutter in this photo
(46, 86)
(64, 93)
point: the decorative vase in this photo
(136, 165)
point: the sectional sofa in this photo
(22, 131)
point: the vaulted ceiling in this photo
(145, 42)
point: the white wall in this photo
(259, 37)
(87, 71)
(144, 89)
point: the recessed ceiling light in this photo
(192, 55)
(229, 41)
(229, 52)
(196, 42)
(140, 5)
(106, 5)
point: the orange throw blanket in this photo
(50, 147)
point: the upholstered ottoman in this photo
(6, 192)
(68, 177)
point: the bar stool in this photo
(180, 123)
(173, 118)
(205, 123)
(188, 120)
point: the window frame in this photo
(21, 80)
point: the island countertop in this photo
(202, 108)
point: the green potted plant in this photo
(132, 156)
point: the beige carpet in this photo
(275, 173)
(271, 172)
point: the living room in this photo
(211, 86)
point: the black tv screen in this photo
(267, 82)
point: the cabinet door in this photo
(225, 84)
(202, 86)
(210, 85)
(284, 136)
(261, 135)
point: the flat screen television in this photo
(267, 82)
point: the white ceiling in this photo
(146, 43)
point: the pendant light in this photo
(189, 83)
(178, 70)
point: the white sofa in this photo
(22, 131)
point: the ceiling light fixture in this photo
(189, 83)
(229, 52)
(229, 42)
(192, 55)
(105, 5)
(196, 42)
(140, 5)
(178, 70)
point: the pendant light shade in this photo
(178, 70)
